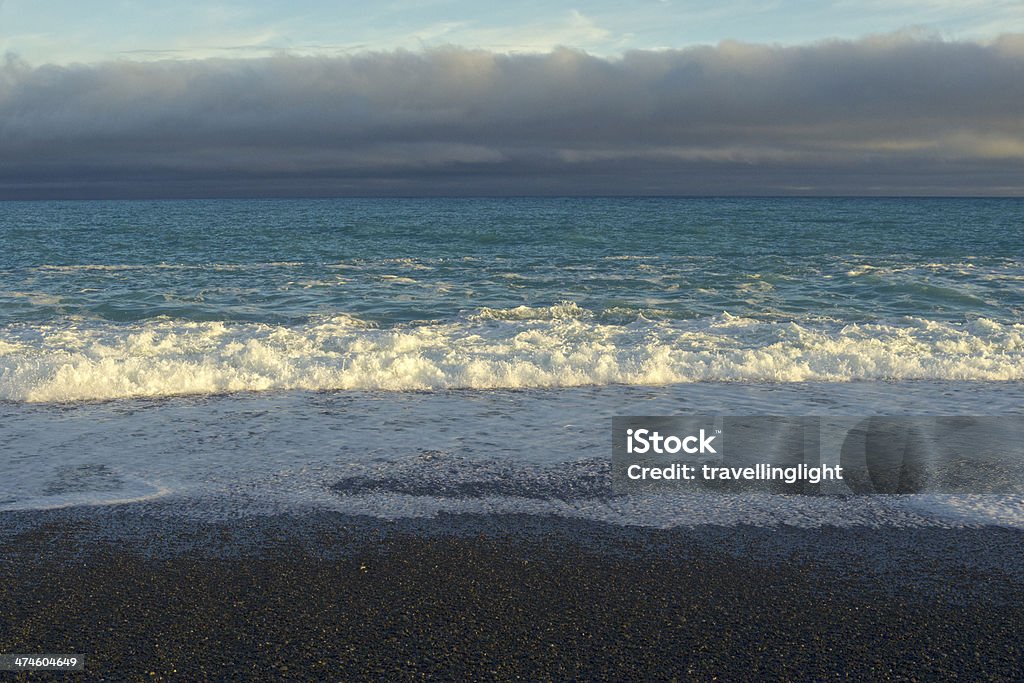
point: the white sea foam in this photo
(90, 498)
(560, 311)
(562, 345)
(35, 298)
(411, 456)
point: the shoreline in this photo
(338, 597)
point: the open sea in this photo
(412, 357)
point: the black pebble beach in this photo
(325, 597)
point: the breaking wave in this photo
(515, 348)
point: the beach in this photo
(544, 341)
(330, 597)
(375, 439)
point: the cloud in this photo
(897, 114)
(574, 28)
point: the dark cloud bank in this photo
(891, 115)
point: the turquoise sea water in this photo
(119, 299)
(260, 353)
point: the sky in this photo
(309, 97)
(62, 31)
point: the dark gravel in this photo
(512, 598)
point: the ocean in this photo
(405, 358)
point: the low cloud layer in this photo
(890, 115)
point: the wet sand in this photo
(325, 597)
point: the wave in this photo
(120, 267)
(560, 346)
(560, 311)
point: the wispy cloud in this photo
(572, 29)
(909, 114)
